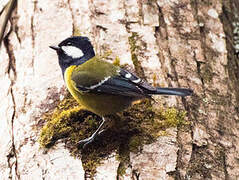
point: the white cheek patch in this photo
(72, 51)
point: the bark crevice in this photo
(33, 34)
(12, 74)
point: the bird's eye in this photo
(69, 44)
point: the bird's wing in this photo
(126, 84)
(110, 80)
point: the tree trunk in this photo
(187, 43)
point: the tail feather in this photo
(174, 91)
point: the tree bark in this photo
(187, 43)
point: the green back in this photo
(93, 72)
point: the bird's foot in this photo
(85, 142)
(101, 131)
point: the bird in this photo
(100, 86)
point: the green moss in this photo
(133, 40)
(135, 143)
(66, 121)
(123, 157)
(116, 61)
(173, 118)
(121, 170)
(127, 132)
(76, 31)
(57, 128)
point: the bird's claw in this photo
(85, 142)
(101, 131)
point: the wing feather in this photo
(124, 84)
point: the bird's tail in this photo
(174, 91)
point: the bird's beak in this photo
(55, 47)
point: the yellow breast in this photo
(69, 83)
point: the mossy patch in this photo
(116, 61)
(126, 132)
(64, 121)
(134, 47)
(76, 31)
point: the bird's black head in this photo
(74, 51)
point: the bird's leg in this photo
(90, 139)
